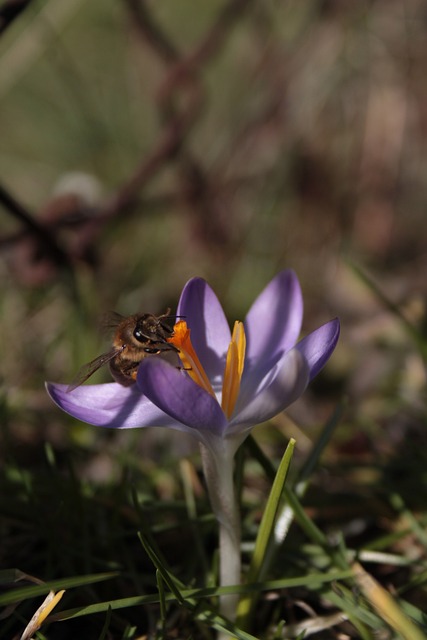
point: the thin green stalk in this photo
(264, 535)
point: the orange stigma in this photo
(233, 366)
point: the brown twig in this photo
(80, 217)
(188, 66)
(151, 33)
(199, 192)
(44, 236)
(196, 186)
(10, 10)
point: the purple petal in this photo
(210, 332)
(283, 387)
(318, 346)
(173, 391)
(273, 323)
(109, 405)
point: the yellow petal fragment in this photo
(388, 608)
(233, 369)
(41, 614)
(191, 363)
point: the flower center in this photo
(233, 365)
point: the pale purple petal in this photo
(276, 370)
(318, 346)
(282, 387)
(176, 394)
(273, 323)
(109, 405)
(210, 332)
(254, 377)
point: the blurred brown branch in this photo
(182, 75)
(149, 31)
(180, 99)
(9, 11)
(43, 236)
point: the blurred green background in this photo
(304, 147)
(160, 140)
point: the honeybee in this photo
(135, 338)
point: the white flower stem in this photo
(218, 468)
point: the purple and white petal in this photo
(284, 386)
(175, 393)
(317, 347)
(109, 405)
(210, 332)
(273, 322)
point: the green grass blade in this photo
(162, 600)
(312, 581)
(398, 503)
(411, 330)
(161, 567)
(24, 593)
(286, 517)
(265, 532)
(313, 532)
(323, 440)
(104, 631)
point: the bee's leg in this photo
(125, 374)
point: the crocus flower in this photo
(227, 384)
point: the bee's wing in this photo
(111, 320)
(89, 369)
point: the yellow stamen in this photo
(233, 369)
(233, 366)
(182, 341)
